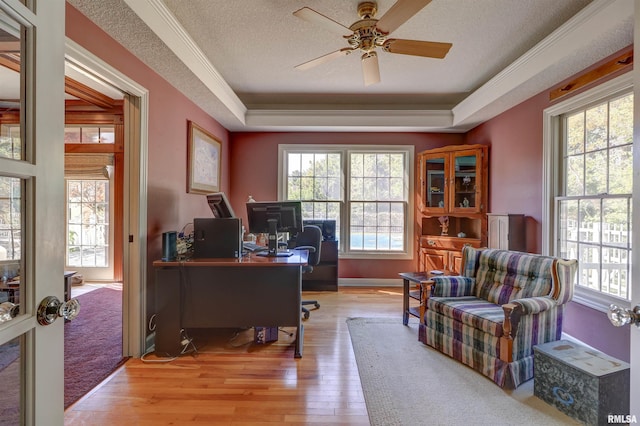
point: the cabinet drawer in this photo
(447, 243)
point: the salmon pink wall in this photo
(169, 206)
(254, 165)
(515, 163)
(515, 186)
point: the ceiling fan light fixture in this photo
(370, 68)
(369, 33)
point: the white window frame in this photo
(551, 164)
(408, 150)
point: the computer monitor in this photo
(220, 206)
(272, 218)
(327, 226)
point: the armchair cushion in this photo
(506, 275)
(470, 310)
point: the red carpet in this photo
(92, 343)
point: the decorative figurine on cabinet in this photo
(444, 224)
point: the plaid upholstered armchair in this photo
(502, 304)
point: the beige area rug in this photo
(408, 383)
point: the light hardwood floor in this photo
(232, 381)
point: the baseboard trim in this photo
(369, 282)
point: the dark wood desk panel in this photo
(208, 293)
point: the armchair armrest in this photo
(535, 305)
(452, 286)
(444, 286)
(513, 312)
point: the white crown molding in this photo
(164, 24)
(436, 119)
(580, 31)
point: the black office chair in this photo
(309, 239)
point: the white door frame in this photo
(635, 237)
(135, 197)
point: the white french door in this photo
(32, 44)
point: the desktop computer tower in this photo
(217, 238)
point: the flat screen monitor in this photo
(327, 226)
(274, 217)
(220, 206)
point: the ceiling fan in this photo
(369, 33)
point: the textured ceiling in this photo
(252, 47)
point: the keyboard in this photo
(252, 247)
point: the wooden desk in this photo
(209, 293)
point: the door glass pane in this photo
(11, 89)
(11, 286)
(12, 382)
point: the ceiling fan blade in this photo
(370, 68)
(429, 49)
(324, 58)
(317, 18)
(399, 13)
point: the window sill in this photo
(596, 300)
(376, 256)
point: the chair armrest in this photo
(444, 286)
(311, 249)
(535, 305)
(517, 308)
(452, 286)
(514, 311)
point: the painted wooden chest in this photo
(583, 383)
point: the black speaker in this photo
(169, 250)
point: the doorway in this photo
(127, 106)
(94, 180)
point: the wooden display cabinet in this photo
(453, 180)
(453, 184)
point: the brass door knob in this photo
(51, 308)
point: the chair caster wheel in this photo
(306, 315)
(317, 305)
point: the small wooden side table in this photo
(423, 281)
(416, 293)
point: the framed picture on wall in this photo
(205, 152)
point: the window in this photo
(364, 189)
(592, 210)
(88, 223)
(89, 135)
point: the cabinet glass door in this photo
(466, 191)
(435, 182)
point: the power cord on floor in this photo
(186, 343)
